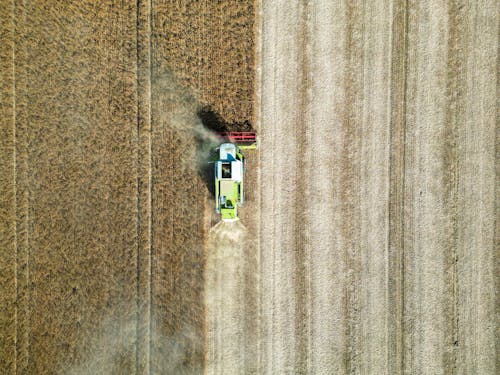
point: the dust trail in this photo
(111, 348)
(225, 298)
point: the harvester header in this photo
(244, 140)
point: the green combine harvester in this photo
(229, 172)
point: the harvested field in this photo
(367, 243)
(225, 298)
(378, 228)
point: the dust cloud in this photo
(180, 133)
(111, 349)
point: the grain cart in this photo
(229, 172)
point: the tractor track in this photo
(301, 257)
(396, 209)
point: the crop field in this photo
(368, 240)
(103, 192)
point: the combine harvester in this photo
(229, 172)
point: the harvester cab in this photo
(229, 171)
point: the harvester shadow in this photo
(207, 140)
(214, 122)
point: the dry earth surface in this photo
(368, 241)
(378, 222)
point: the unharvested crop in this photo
(102, 198)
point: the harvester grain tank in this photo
(229, 173)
